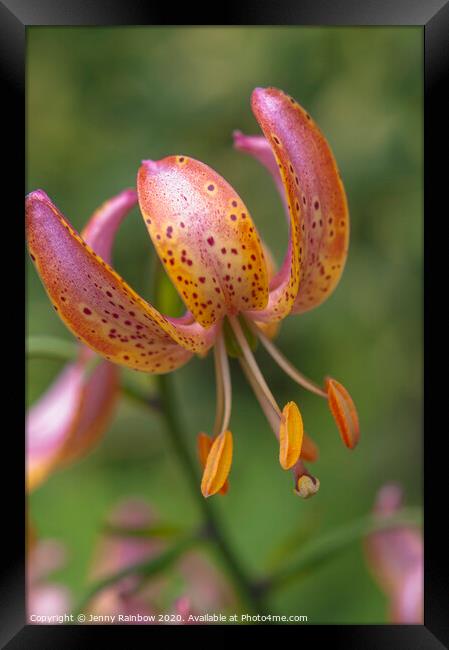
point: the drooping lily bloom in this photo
(193, 586)
(47, 602)
(396, 559)
(71, 416)
(211, 251)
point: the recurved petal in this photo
(269, 328)
(204, 236)
(316, 201)
(97, 305)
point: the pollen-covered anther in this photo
(291, 433)
(218, 462)
(307, 486)
(344, 412)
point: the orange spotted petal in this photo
(205, 237)
(344, 412)
(205, 443)
(290, 435)
(218, 464)
(316, 203)
(269, 328)
(97, 305)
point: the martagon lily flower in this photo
(211, 251)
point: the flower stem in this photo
(251, 596)
(315, 553)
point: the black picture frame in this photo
(433, 16)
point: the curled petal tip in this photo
(290, 435)
(39, 195)
(151, 165)
(307, 486)
(345, 414)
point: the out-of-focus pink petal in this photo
(396, 557)
(45, 599)
(51, 421)
(407, 604)
(205, 586)
(45, 557)
(48, 600)
(99, 398)
(97, 305)
(205, 237)
(118, 551)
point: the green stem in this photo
(317, 551)
(145, 569)
(250, 595)
(50, 347)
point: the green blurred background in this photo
(99, 100)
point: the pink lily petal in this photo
(72, 414)
(118, 551)
(204, 589)
(97, 305)
(396, 559)
(205, 237)
(102, 227)
(44, 598)
(50, 423)
(316, 203)
(259, 148)
(48, 600)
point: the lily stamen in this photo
(285, 364)
(216, 453)
(287, 424)
(224, 387)
(340, 402)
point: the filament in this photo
(224, 387)
(285, 364)
(251, 362)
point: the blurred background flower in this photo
(99, 100)
(46, 597)
(396, 560)
(192, 586)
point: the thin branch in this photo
(315, 552)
